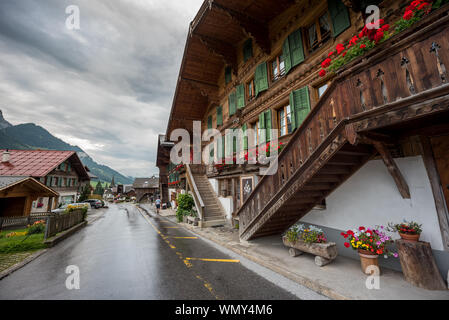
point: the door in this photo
(440, 146)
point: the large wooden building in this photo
(61, 171)
(365, 145)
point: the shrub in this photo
(37, 227)
(185, 206)
(311, 234)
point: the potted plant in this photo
(370, 243)
(311, 240)
(409, 231)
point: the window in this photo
(321, 90)
(256, 133)
(232, 103)
(319, 32)
(277, 68)
(250, 90)
(219, 115)
(228, 75)
(247, 49)
(209, 122)
(285, 120)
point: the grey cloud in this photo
(110, 83)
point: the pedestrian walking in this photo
(158, 204)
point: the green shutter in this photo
(286, 55)
(293, 111)
(268, 124)
(262, 127)
(223, 146)
(301, 105)
(261, 78)
(209, 122)
(219, 115)
(296, 47)
(240, 96)
(245, 137)
(228, 75)
(232, 103)
(234, 141)
(340, 16)
(247, 49)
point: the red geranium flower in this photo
(361, 228)
(326, 63)
(408, 15)
(340, 48)
(322, 73)
(347, 245)
(363, 46)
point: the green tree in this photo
(99, 189)
(85, 192)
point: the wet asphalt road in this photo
(127, 255)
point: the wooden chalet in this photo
(368, 144)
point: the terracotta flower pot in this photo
(367, 259)
(409, 237)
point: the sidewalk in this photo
(342, 279)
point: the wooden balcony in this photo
(404, 79)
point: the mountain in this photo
(31, 136)
(3, 123)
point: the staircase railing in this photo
(401, 67)
(199, 203)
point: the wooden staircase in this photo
(210, 209)
(400, 81)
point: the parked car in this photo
(94, 203)
(63, 208)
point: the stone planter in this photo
(324, 253)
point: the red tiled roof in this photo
(34, 163)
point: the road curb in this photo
(21, 264)
(65, 234)
(304, 281)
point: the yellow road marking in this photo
(184, 237)
(214, 260)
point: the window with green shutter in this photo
(339, 15)
(211, 153)
(232, 103)
(209, 122)
(248, 49)
(240, 96)
(300, 104)
(219, 115)
(228, 75)
(293, 50)
(245, 137)
(261, 78)
(265, 123)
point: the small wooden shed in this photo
(18, 193)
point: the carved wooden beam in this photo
(224, 50)
(206, 89)
(251, 26)
(393, 169)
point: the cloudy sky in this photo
(107, 87)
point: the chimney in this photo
(6, 156)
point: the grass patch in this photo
(21, 243)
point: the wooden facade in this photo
(17, 196)
(367, 110)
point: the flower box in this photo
(324, 253)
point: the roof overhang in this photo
(37, 187)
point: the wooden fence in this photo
(59, 222)
(7, 223)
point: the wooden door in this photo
(440, 146)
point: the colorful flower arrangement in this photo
(373, 240)
(174, 182)
(407, 227)
(15, 234)
(312, 234)
(37, 227)
(371, 35)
